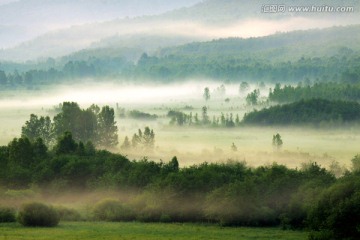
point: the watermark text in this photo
(282, 8)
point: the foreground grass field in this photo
(94, 230)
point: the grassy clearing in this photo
(96, 230)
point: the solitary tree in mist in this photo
(206, 94)
(149, 138)
(277, 141)
(233, 147)
(237, 120)
(126, 144)
(252, 98)
(196, 119)
(107, 128)
(205, 116)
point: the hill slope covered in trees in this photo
(313, 111)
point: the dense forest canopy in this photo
(313, 111)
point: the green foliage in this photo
(126, 144)
(38, 215)
(142, 115)
(81, 123)
(356, 163)
(172, 166)
(86, 125)
(21, 157)
(253, 97)
(107, 130)
(66, 144)
(7, 214)
(205, 116)
(179, 118)
(144, 141)
(324, 90)
(327, 55)
(112, 211)
(231, 194)
(277, 141)
(68, 214)
(313, 111)
(206, 94)
(38, 128)
(337, 213)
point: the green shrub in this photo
(7, 215)
(68, 214)
(112, 211)
(38, 214)
(338, 210)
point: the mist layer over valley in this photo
(191, 143)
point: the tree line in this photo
(305, 112)
(180, 118)
(170, 68)
(231, 194)
(330, 91)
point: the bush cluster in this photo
(7, 214)
(38, 215)
(68, 214)
(112, 210)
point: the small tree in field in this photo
(126, 145)
(206, 94)
(233, 147)
(277, 141)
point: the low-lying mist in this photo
(191, 144)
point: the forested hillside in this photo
(305, 112)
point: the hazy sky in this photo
(2, 2)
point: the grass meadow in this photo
(142, 231)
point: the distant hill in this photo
(309, 56)
(287, 45)
(206, 20)
(313, 111)
(37, 17)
